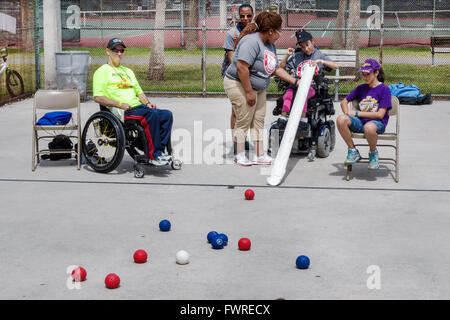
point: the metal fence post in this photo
(182, 22)
(37, 45)
(204, 51)
(381, 32)
(432, 32)
(101, 22)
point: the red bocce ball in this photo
(112, 281)
(249, 194)
(244, 244)
(140, 256)
(79, 274)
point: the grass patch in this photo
(188, 78)
(432, 80)
(183, 78)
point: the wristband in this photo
(120, 105)
(357, 113)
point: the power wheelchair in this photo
(320, 137)
(105, 139)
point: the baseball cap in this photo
(370, 65)
(303, 36)
(115, 42)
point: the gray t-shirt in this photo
(298, 59)
(262, 58)
(228, 45)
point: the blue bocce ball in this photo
(224, 238)
(302, 262)
(164, 225)
(217, 242)
(210, 235)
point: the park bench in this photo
(439, 44)
(344, 59)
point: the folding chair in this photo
(56, 100)
(387, 136)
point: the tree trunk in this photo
(156, 65)
(192, 22)
(27, 18)
(353, 36)
(338, 36)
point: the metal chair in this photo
(393, 137)
(56, 100)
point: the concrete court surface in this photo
(368, 238)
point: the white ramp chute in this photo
(279, 165)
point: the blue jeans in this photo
(358, 126)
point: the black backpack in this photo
(426, 99)
(59, 142)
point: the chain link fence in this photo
(175, 46)
(17, 50)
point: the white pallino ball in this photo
(182, 257)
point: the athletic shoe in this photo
(373, 160)
(159, 161)
(262, 159)
(242, 160)
(352, 157)
(166, 157)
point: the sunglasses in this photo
(118, 50)
(246, 16)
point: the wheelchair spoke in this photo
(104, 131)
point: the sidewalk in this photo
(57, 216)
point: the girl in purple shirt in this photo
(372, 115)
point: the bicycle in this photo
(14, 81)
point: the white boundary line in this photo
(323, 34)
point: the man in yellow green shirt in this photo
(117, 88)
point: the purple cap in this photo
(370, 65)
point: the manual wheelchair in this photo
(320, 137)
(105, 139)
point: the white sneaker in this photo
(242, 160)
(159, 161)
(262, 159)
(165, 157)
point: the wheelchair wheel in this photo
(324, 143)
(176, 164)
(139, 171)
(103, 141)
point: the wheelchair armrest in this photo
(104, 108)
